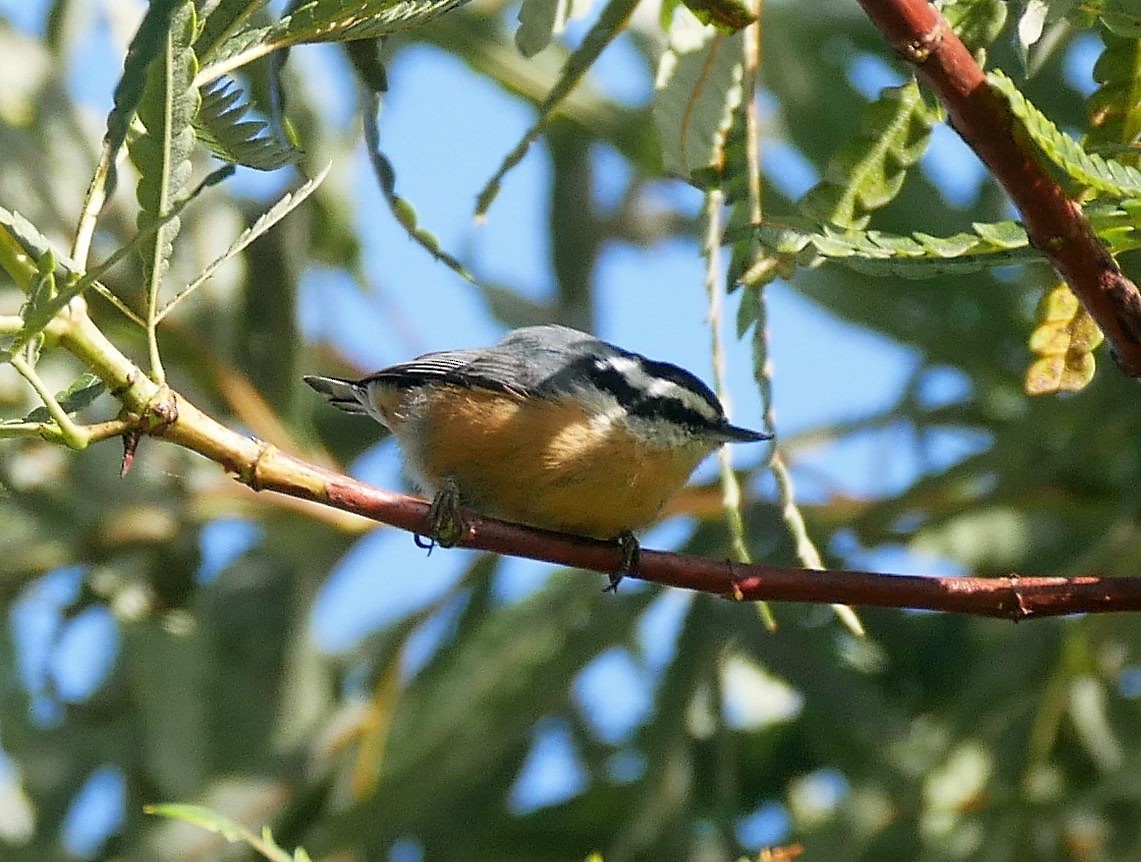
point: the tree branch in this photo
(158, 411)
(1055, 224)
(265, 467)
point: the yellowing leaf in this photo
(1064, 340)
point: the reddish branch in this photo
(1011, 597)
(1055, 224)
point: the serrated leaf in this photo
(221, 127)
(1063, 339)
(919, 255)
(283, 207)
(162, 153)
(222, 22)
(1089, 169)
(323, 21)
(610, 23)
(868, 171)
(922, 255)
(83, 390)
(148, 43)
(698, 88)
(1003, 234)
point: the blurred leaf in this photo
(468, 709)
(868, 172)
(225, 19)
(283, 207)
(1089, 713)
(698, 89)
(539, 20)
(1064, 340)
(977, 22)
(610, 24)
(403, 211)
(728, 16)
(322, 21)
(228, 829)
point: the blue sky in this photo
(433, 104)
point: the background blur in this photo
(172, 636)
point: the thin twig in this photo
(730, 487)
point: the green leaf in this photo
(222, 22)
(231, 830)
(728, 16)
(977, 22)
(868, 171)
(1115, 107)
(1122, 18)
(162, 153)
(147, 44)
(467, 712)
(1090, 169)
(323, 21)
(283, 207)
(697, 91)
(610, 23)
(539, 21)
(221, 127)
(83, 390)
(919, 255)
(33, 242)
(198, 815)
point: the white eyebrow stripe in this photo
(658, 387)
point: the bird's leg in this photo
(445, 522)
(628, 542)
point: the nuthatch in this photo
(550, 427)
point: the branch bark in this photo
(264, 467)
(1055, 224)
(160, 412)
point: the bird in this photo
(550, 427)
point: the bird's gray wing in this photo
(484, 369)
(521, 364)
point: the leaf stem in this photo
(70, 433)
(730, 487)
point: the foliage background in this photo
(172, 636)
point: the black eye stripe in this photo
(610, 379)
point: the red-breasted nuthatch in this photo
(551, 427)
